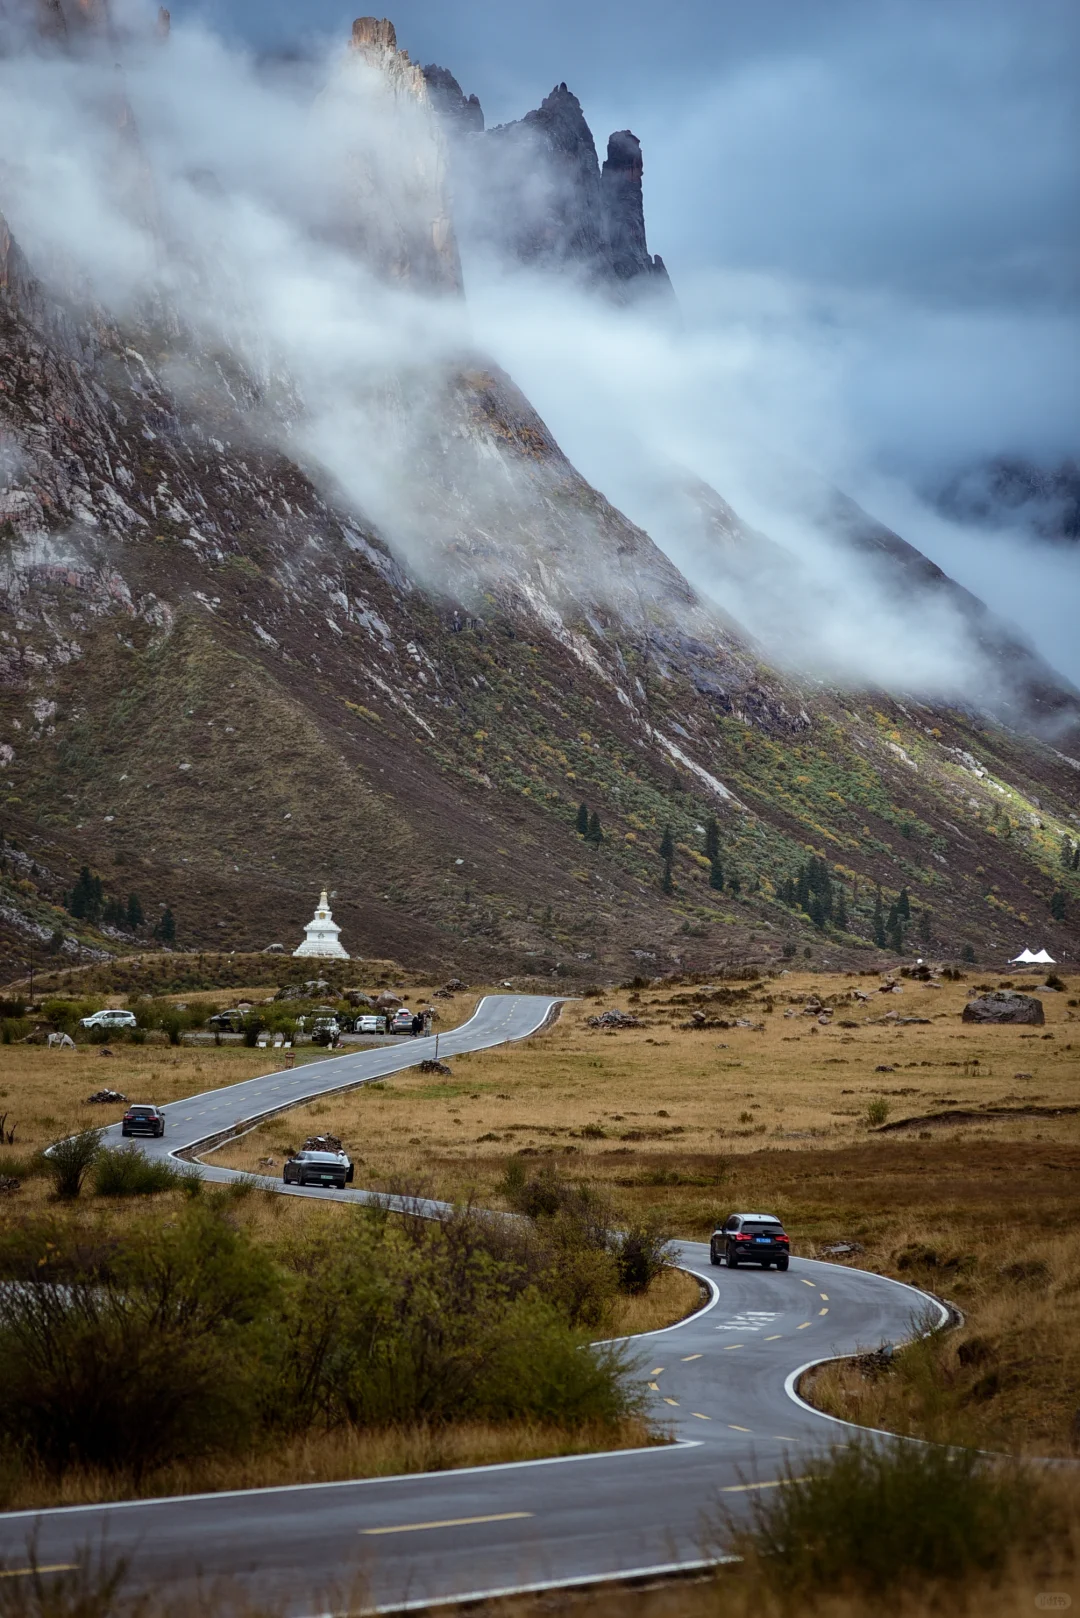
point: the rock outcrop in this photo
(627, 251)
(1005, 1005)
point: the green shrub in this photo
(12, 1029)
(127, 1172)
(871, 1518)
(70, 1161)
(877, 1111)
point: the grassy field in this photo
(976, 1198)
(44, 1092)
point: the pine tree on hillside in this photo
(896, 937)
(666, 883)
(166, 927)
(134, 915)
(712, 839)
(840, 912)
(924, 927)
(1057, 905)
(86, 900)
(802, 889)
(879, 932)
(595, 833)
(667, 845)
(787, 891)
(114, 913)
(1066, 853)
(817, 912)
(903, 905)
(716, 875)
(583, 820)
(734, 884)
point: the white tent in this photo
(1029, 957)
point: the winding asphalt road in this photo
(723, 1382)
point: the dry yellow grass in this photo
(43, 1092)
(326, 1457)
(589, 1095)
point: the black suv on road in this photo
(750, 1238)
(143, 1119)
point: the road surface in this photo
(722, 1382)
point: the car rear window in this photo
(762, 1224)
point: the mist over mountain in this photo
(370, 499)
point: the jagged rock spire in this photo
(624, 211)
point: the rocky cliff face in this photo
(534, 191)
(222, 686)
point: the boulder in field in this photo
(1005, 1006)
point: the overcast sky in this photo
(899, 177)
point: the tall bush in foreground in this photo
(875, 1518)
(71, 1160)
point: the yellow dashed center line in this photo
(655, 1386)
(823, 1311)
(824, 1296)
(735, 1429)
(668, 1401)
(656, 1370)
(775, 1338)
(804, 1325)
(730, 1346)
(688, 1357)
(448, 1522)
(807, 1283)
(700, 1417)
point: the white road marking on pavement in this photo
(735, 1429)
(25, 1572)
(807, 1283)
(668, 1401)
(728, 1347)
(448, 1522)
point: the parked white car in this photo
(109, 1019)
(370, 1024)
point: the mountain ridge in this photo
(221, 685)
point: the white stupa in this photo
(322, 934)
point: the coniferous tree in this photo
(1076, 858)
(924, 927)
(712, 839)
(583, 820)
(134, 911)
(802, 888)
(968, 953)
(86, 899)
(879, 932)
(892, 918)
(840, 912)
(877, 905)
(596, 835)
(114, 913)
(1057, 905)
(166, 927)
(667, 845)
(903, 905)
(734, 884)
(716, 875)
(787, 891)
(1066, 853)
(667, 885)
(896, 937)
(817, 912)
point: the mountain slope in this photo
(220, 687)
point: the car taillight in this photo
(741, 1238)
(784, 1239)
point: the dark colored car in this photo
(226, 1022)
(318, 1168)
(751, 1238)
(143, 1119)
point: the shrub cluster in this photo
(578, 1219)
(870, 1518)
(175, 1340)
